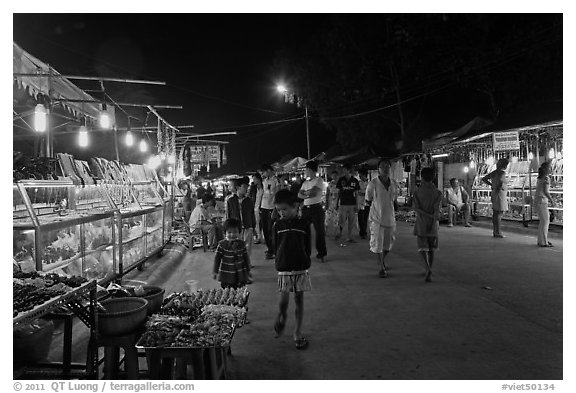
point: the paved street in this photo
(493, 311)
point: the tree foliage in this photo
(359, 63)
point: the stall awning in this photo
(57, 87)
(472, 126)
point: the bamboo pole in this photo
(90, 78)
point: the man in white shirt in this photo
(311, 191)
(271, 185)
(381, 193)
(457, 199)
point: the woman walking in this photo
(332, 205)
(541, 199)
(499, 183)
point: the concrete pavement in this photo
(493, 311)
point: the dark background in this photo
(223, 70)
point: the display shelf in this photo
(53, 266)
(131, 240)
(52, 304)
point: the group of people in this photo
(283, 215)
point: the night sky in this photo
(218, 67)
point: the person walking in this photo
(256, 192)
(232, 261)
(292, 249)
(499, 183)
(270, 185)
(241, 208)
(311, 192)
(362, 209)
(331, 222)
(381, 193)
(348, 187)
(427, 202)
(541, 199)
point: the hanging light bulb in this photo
(472, 164)
(105, 121)
(530, 156)
(129, 139)
(83, 136)
(466, 169)
(551, 153)
(143, 146)
(40, 118)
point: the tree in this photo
(402, 63)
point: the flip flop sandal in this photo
(301, 343)
(279, 326)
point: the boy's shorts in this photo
(298, 281)
(427, 243)
(381, 238)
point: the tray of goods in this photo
(161, 331)
(225, 314)
(181, 304)
(229, 296)
(207, 333)
(28, 296)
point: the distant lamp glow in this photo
(440, 155)
(282, 89)
(40, 118)
(169, 169)
(154, 162)
(466, 169)
(129, 139)
(551, 153)
(472, 164)
(143, 146)
(171, 159)
(530, 156)
(83, 136)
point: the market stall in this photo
(470, 157)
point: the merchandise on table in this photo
(32, 289)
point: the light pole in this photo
(284, 90)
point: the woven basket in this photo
(154, 297)
(122, 316)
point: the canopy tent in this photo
(294, 164)
(441, 139)
(55, 86)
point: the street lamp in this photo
(282, 89)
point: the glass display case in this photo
(64, 228)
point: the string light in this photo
(129, 139)
(83, 136)
(40, 117)
(105, 121)
(143, 146)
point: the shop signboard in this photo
(506, 141)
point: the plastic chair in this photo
(195, 233)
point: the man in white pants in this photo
(381, 193)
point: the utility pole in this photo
(307, 131)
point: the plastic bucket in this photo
(133, 283)
(192, 285)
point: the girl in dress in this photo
(331, 203)
(232, 262)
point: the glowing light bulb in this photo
(105, 121)
(40, 118)
(530, 156)
(558, 155)
(282, 89)
(129, 139)
(83, 137)
(466, 169)
(490, 160)
(143, 146)
(472, 164)
(551, 153)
